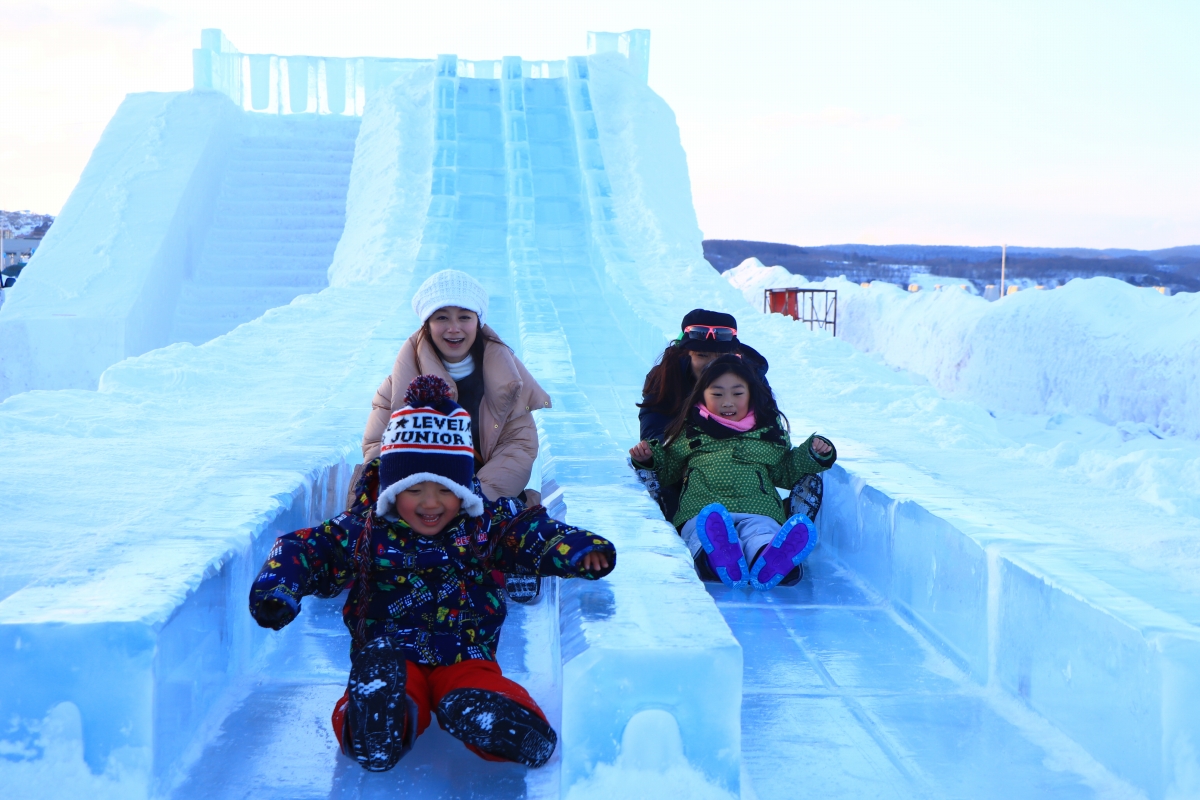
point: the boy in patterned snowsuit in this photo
(417, 551)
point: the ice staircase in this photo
(277, 220)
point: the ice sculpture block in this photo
(1061, 629)
(646, 637)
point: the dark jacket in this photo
(654, 420)
(435, 596)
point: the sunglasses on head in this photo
(722, 333)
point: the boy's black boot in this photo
(497, 726)
(380, 727)
(806, 496)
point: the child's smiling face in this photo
(428, 507)
(728, 397)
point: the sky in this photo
(1054, 124)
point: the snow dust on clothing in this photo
(738, 470)
(437, 597)
(506, 440)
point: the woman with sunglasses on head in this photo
(485, 378)
(704, 336)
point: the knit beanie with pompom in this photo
(429, 439)
(450, 288)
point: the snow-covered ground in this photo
(976, 604)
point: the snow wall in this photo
(139, 603)
(1097, 347)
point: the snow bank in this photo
(1097, 347)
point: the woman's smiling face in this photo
(453, 331)
(728, 397)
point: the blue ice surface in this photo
(908, 663)
(844, 696)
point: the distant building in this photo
(18, 251)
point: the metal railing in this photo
(804, 305)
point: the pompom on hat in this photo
(450, 287)
(429, 439)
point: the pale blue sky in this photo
(1032, 123)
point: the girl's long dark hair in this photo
(482, 339)
(762, 401)
(668, 383)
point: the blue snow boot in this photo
(380, 725)
(776, 562)
(719, 538)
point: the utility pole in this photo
(1003, 259)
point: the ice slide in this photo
(943, 645)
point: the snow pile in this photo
(1096, 347)
(752, 278)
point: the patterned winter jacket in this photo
(436, 596)
(738, 470)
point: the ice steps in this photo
(277, 221)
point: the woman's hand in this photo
(641, 452)
(821, 446)
(594, 562)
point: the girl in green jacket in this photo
(730, 448)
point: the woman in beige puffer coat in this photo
(484, 376)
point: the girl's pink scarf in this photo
(746, 423)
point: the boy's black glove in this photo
(276, 610)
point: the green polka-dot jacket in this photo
(717, 464)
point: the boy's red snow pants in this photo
(427, 686)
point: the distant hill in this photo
(1176, 267)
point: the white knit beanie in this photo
(450, 288)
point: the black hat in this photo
(701, 316)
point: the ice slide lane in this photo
(649, 629)
(839, 692)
